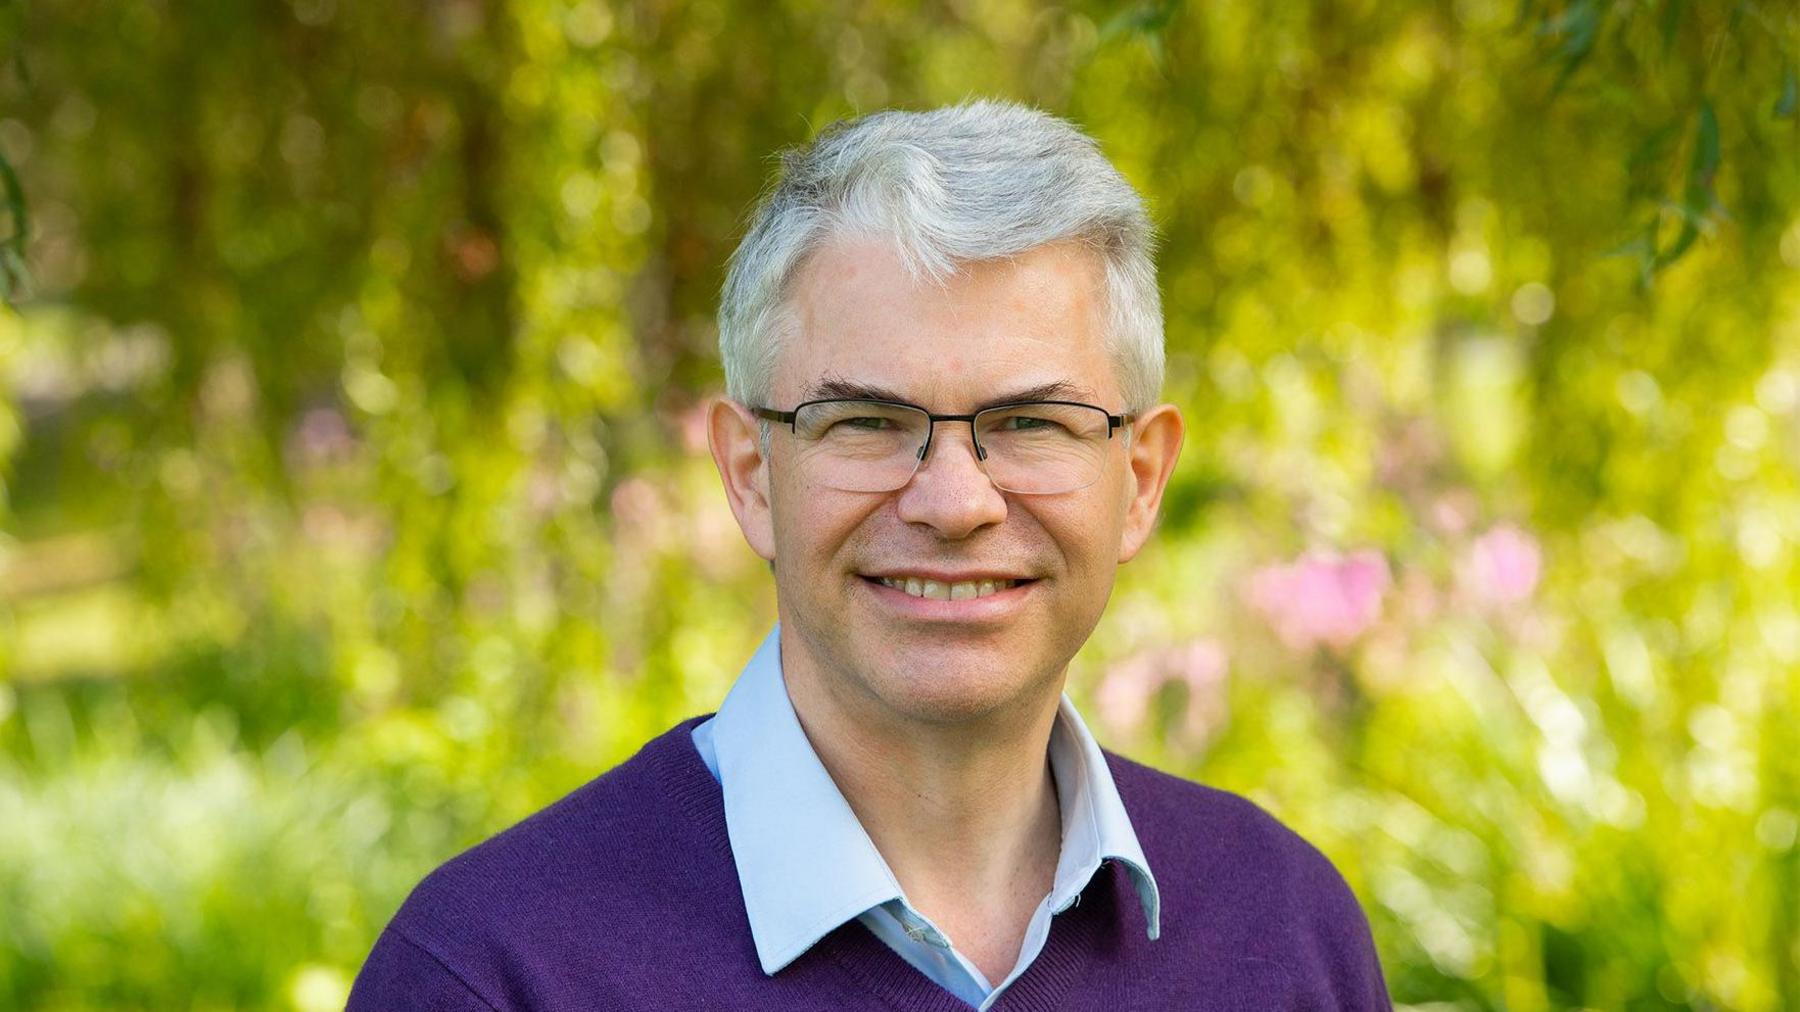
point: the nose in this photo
(950, 492)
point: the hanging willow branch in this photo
(12, 195)
(1709, 56)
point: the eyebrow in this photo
(834, 387)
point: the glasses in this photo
(1031, 447)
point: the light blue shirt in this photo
(806, 864)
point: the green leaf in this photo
(1684, 239)
(1148, 19)
(12, 246)
(1698, 199)
(1671, 22)
(1579, 27)
(1647, 166)
(1706, 146)
(1789, 100)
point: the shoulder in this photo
(597, 832)
(1186, 821)
(629, 847)
(1203, 818)
(1216, 851)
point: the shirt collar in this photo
(805, 863)
(1095, 824)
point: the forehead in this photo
(994, 327)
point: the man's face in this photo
(993, 332)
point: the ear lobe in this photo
(1151, 456)
(734, 436)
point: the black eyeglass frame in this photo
(791, 418)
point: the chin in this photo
(948, 687)
(933, 676)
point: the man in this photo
(943, 352)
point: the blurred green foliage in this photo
(355, 503)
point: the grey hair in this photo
(962, 184)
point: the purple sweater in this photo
(623, 895)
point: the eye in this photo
(867, 422)
(1027, 423)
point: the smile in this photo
(937, 590)
(981, 598)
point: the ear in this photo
(735, 437)
(1155, 447)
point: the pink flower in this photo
(636, 502)
(691, 423)
(1453, 511)
(642, 516)
(1503, 565)
(323, 436)
(1124, 695)
(1321, 597)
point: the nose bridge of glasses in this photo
(931, 437)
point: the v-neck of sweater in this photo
(865, 959)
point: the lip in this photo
(996, 607)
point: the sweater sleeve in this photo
(401, 975)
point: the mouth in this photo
(938, 589)
(990, 600)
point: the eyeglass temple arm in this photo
(770, 414)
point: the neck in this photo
(965, 813)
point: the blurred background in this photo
(356, 501)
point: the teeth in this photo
(947, 591)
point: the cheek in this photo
(1080, 532)
(1089, 536)
(814, 525)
